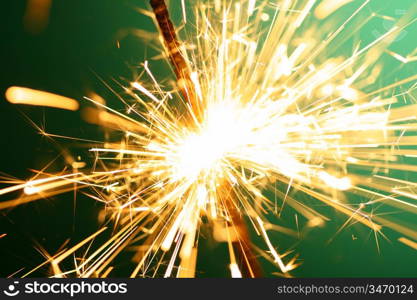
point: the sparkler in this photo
(254, 105)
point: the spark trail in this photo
(257, 105)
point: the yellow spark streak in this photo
(305, 12)
(342, 184)
(78, 246)
(30, 185)
(111, 120)
(234, 269)
(138, 86)
(107, 272)
(172, 260)
(117, 238)
(401, 58)
(55, 262)
(408, 242)
(274, 253)
(184, 14)
(21, 95)
(251, 7)
(274, 106)
(327, 7)
(188, 265)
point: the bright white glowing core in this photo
(221, 133)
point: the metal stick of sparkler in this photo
(244, 253)
(173, 48)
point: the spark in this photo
(327, 7)
(21, 95)
(408, 242)
(253, 106)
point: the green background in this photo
(77, 49)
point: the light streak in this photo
(21, 95)
(253, 106)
